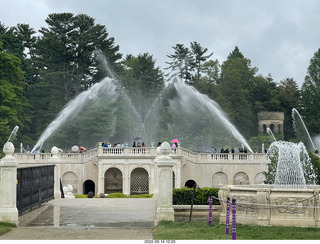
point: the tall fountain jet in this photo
(13, 132)
(304, 128)
(112, 112)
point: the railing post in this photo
(210, 210)
(192, 200)
(227, 216)
(8, 185)
(56, 161)
(234, 229)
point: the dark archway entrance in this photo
(88, 186)
(190, 183)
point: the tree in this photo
(289, 97)
(144, 80)
(65, 57)
(310, 93)
(199, 57)
(183, 63)
(236, 78)
(14, 107)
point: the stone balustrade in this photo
(144, 152)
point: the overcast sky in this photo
(278, 36)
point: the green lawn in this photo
(5, 227)
(167, 230)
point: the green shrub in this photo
(183, 196)
(116, 195)
(142, 196)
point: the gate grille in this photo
(139, 182)
(35, 185)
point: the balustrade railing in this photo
(141, 152)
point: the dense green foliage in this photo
(183, 196)
(202, 231)
(41, 71)
(118, 195)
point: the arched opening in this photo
(260, 178)
(139, 182)
(280, 129)
(190, 183)
(272, 128)
(70, 178)
(112, 181)
(88, 186)
(241, 178)
(264, 128)
(219, 178)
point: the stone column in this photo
(164, 200)
(56, 160)
(100, 178)
(8, 185)
(126, 180)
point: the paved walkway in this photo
(88, 219)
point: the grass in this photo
(5, 227)
(167, 230)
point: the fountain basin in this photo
(265, 205)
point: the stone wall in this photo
(272, 120)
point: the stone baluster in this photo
(8, 185)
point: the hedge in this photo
(183, 196)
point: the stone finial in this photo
(8, 148)
(165, 148)
(9, 159)
(54, 150)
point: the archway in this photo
(219, 178)
(190, 183)
(72, 179)
(260, 178)
(88, 186)
(113, 181)
(272, 128)
(241, 178)
(139, 182)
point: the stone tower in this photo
(272, 120)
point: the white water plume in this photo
(105, 87)
(192, 99)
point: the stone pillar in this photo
(100, 179)
(263, 205)
(164, 200)
(126, 180)
(8, 185)
(56, 161)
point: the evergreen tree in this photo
(289, 97)
(14, 107)
(310, 92)
(237, 76)
(182, 64)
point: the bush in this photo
(90, 194)
(142, 196)
(116, 195)
(183, 196)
